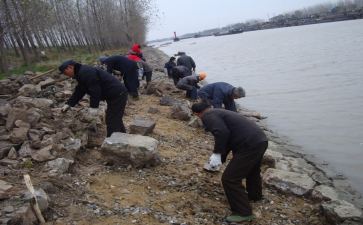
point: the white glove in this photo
(93, 111)
(215, 160)
(65, 108)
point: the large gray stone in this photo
(271, 157)
(324, 193)
(142, 126)
(58, 166)
(291, 182)
(5, 189)
(5, 147)
(28, 90)
(35, 102)
(180, 112)
(337, 211)
(19, 135)
(167, 100)
(124, 149)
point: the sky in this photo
(190, 16)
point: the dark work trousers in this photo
(193, 94)
(115, 112)
(244, 165)
(132, 82)
(148, 76)
(124, 77)
(175, 79)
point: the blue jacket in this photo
(121, 63)
(95, 82)
(220, 93)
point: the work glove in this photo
(65, 108)
(215, 160)
(93, 111)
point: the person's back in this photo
(109, 85)
(243, 133)
(120, 63)
(188, 82)
(219, 92)
(178, 73)
(187, 61)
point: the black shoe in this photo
(256, 199)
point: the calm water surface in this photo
(307, 80)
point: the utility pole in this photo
(268, 17)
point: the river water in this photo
(308, 81)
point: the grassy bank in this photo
(53, 58)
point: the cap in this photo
(64, 65)
(102, 59)
(202, 75)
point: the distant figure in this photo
(178, 73)
(147, 71)
(169, 65)
(220, 93)
(129, 70)
(190, 84)
(187, 61)
(135, 50)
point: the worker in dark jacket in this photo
(99, 85)
(136, 50)
(178, 73)
(129, 70)
(169, 65)
(190, 84)
(185, 60)
(147, 71)
(220, 93)
(234, 132)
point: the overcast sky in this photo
(189, 16)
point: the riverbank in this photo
(178, 191)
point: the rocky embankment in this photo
(153, 174)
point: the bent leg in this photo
(238, 169)
(114, 114)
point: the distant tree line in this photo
(340, 6)
(29, 26)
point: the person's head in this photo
(200, 107)
(174, 71)
(172, 59)
(67, 67)
(238, 92)
(202, 76)
(103, 59)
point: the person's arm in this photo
(76, 96)
(231, 105)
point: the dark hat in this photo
(64, 65)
